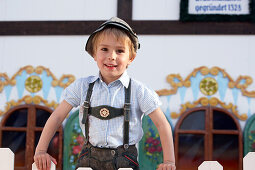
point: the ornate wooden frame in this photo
(208, 132)
(30, 131)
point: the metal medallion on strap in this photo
(104, 112)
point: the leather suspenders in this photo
(107, 112)
(127, 109)
(86, 106)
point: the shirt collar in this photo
(94, 78)
(124, 79)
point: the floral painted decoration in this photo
(152, 145)
(33, 84)
(208, 86)
(76, 144)
(252, 141)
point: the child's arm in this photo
(166, 139)
(42, 158)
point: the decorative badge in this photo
(33, 84)
(104, 112)
(208, 86)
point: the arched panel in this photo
(73, 141)
(150, 150)
(249, 135)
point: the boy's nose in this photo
(112, 56)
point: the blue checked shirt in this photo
(109, 133)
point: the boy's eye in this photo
(104, 49)
(120, 51)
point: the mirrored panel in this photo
(194, 121)
(190, 151)
(41, 117)
(222, 121)
(16, 141)
(226, 151)
(18, 118)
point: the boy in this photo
(111, 106)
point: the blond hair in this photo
(120, 35)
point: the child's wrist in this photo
(169, 162)
(40, 150)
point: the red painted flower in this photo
(80, 139)
(149, 140)
(152, 149)
(159, 149)
(253, 145)
(77, 149)
(155, 142)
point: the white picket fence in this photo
(7, 162)
(210, 165)
(6, 159)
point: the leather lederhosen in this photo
(124, 156)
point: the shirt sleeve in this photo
(148, 100)
(72, 94)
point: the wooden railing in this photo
(7, 162)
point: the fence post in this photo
(248, 161)
(6, 159)
(53, 166)
(210, 165)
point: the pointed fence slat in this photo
(6, 159)
(53, 166)
(210, 165)
(248, 161)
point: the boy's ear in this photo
(132, 57)
(94, 57)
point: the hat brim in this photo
(108, 24)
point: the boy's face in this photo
(112, 57)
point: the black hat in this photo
(117, 23)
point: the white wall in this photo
(156, 9)
(29, 10)
(158, 56)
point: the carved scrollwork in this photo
(241, 83)
(204, 101)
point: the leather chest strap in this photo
(127, 110)
(105, 112)
(86, 106)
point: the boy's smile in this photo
(112, 56)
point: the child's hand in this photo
(43, 160)
(167, 165)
